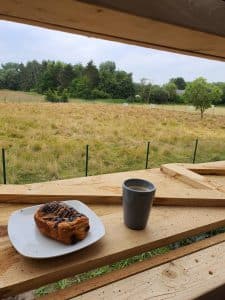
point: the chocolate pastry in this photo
(61, 222)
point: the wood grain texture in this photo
(18, 274)
(181, 173)
(133, 269)
(7, 209)
(97, 21)
(211, 168)
(192, 178)
(106, 189)
(185, 278)
(203, 15)
(3, 230)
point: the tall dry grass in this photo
(46, 141)
(7, 96)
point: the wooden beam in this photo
(187, 176)
(6, 209)
(191, 178)
(100, 281)
(212, 168)
(97, 21)
(189, 277)
(167, 225)
(107, 189)
(200, 15)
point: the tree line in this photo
(59, 81)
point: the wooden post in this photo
(3, 166)
(86, 161)
(147, 155)
(195, 150)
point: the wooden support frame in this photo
(177, 184)
(111, 24)
(191, 175)
(136, 268)
(195, 276)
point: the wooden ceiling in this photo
(183, 26)
(203, 15)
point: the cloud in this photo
(21, 43)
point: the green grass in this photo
(46, 141)
(106, 101)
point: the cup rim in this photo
(152, 187)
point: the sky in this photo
(21, 43)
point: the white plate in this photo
(28, 241)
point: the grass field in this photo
(46, 141)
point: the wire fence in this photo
(101, 158)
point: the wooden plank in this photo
(190, 177)
(188, 277)
(7, 209)
(198, 16)
(3, 230)
(18, 274)
(97, 21)
(133, 269)
(105, 189)
(211, 168)
(187, 176)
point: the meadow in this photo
(46, 141)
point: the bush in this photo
(56, 96)
(158, 95)
(98, 94)
(51, 96)
(64, 96)
(131, 99)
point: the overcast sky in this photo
(20, 43)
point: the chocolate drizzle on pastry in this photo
(59, 212)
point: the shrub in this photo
(56, 96)
(98, 94)
(64, 96)
(131, 99)
(51, 96)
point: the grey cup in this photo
(138, 195)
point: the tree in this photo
(171, 89)
(107, 67)
(107, 78)
(78, 70)
(124, 85)
(10, 76)
(201, 94)
(55, 78)
(29, 75)
(143, 89)
(92, 74)
(50, 77)
(66, 75)
(220, 85)
(180, 82)
(80, 88)
(158, 94)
